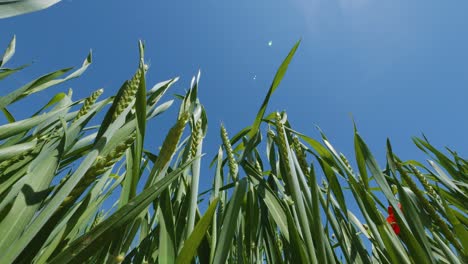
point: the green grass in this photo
(277, 195)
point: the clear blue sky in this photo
(399, 67)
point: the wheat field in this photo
(277, 196)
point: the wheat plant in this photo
(77, 188)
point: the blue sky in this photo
(399, 67)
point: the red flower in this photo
(391, 219)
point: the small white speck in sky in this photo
(270, 43)
(255, 77)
